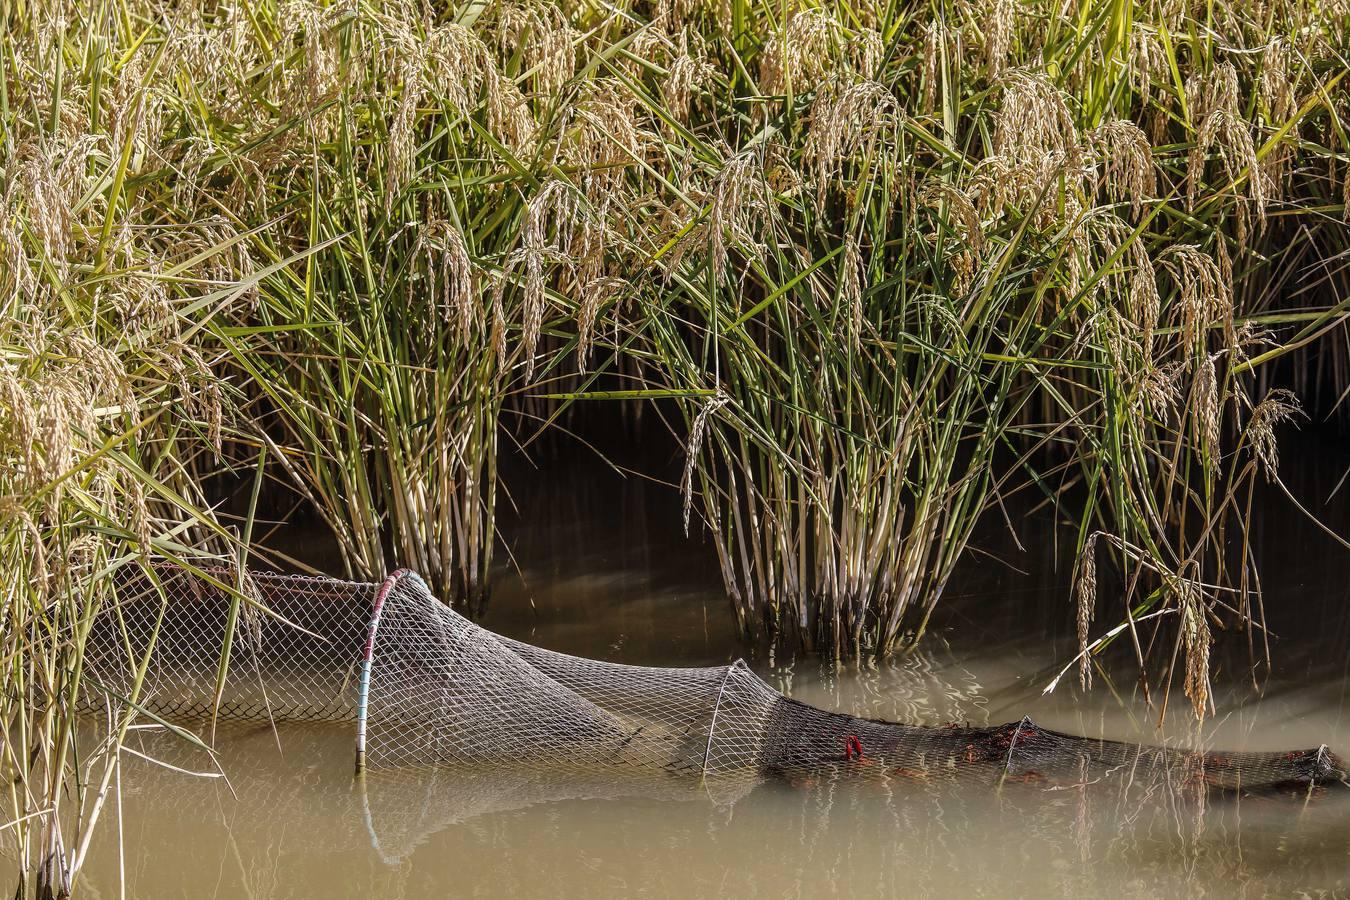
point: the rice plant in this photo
(111, 406)
(908, 260)
(885, 265)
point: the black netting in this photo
(802, 738)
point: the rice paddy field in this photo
(844, 294)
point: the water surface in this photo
(603, 574)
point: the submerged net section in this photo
(427, 688)
(803, 740)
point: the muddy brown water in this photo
(601, 576)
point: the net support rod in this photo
(712, 725)
(1012, 744)
(367, 658)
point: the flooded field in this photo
(625, 325)
(292, 821)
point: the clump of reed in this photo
(889, 264)
(113, 405)
(909, 262)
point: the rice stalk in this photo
(882, 268)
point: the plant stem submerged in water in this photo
(889, 265)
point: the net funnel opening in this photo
(425, 687)
(442, 691)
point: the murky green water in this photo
(600, 578)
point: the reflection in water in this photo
(294, 825)
(292, 822)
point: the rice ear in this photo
(1085, 595)
(1197, 639)
(694, 448)
(1277, 407)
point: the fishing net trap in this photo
(422, 686)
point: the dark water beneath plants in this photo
(604, 572)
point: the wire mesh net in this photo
(294, 645)
(444, 691)
(440, 691)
